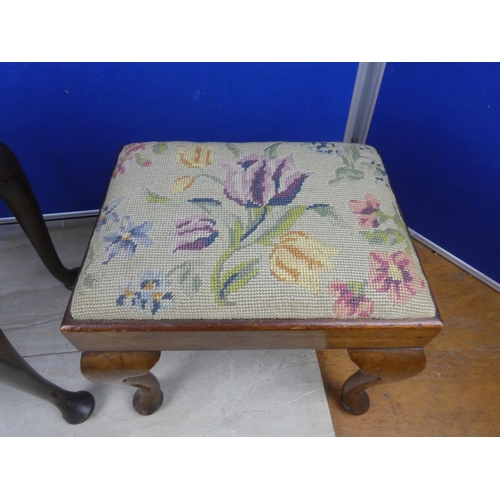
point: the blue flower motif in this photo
(127, 238)
(107, 213)
(323, 147)
(380, 173)
(148, 291)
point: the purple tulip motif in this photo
(256, 181)
(195, 232)
(259, 183)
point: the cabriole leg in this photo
(378, 366)
(130, 368)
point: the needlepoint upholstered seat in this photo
(250, 246)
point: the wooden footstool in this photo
(250, 246)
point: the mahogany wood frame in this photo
(138, 335)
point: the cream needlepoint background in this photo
(250, 230)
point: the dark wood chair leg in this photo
(378, 366)
(75, 407)
(16, 191)
(130, 368)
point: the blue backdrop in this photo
(67, 122)
(437, 128)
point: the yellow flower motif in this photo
(182, 183)
(195, 156)
(299, 257)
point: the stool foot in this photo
(148, 398)
(75, 407)
(129, 368)
(378, 366)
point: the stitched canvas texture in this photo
(250, 231)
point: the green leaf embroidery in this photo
(325, 211)
(271, 150)
(211, 207)
(354, 152)
(178, 267)
(236, 233)
(345, 161)
(152, 197)
(142, 160)
(283, 224)
(215, 278)
(355, 286)
(397, 218)
(184, 275)
(347, 173)
(215, 209)
(256, 213)
(195, 283)
(384, 237)
(191, 282)
(236, 278)
(89, 280)
(160, 147)
(212, 177)
(355, 175)
(236, 151)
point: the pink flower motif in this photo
(125, 155)
(119, 169)
(350, 302)
(366, 209)
(132, 148)
(396, 275)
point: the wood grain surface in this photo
(458, 394)
(341, 338)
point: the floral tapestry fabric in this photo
(250, 231)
